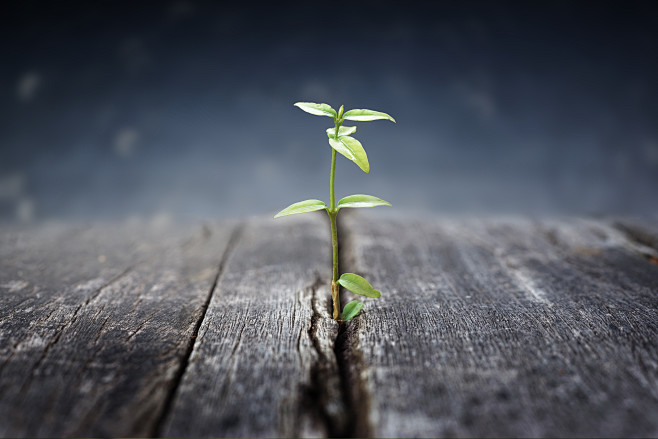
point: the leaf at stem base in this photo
(360, 200)
(302, 207)
(358, 285)
(351, 310)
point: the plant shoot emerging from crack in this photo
(341, 141)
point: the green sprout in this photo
(341, 141)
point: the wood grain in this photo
(504, 328)
(495, 327)
(263, 363)
(95, 322)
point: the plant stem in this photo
(335, 295)
(334, 238)
(332, 198)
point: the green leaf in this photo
(351, 310)
(342, 131)
(317, 109)
(352, 149)
(302, 207)
(360, 200)
(365, 115)
(358, 285)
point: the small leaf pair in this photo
(353, 201)
(361, 115)
(357, 285)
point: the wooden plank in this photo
(263, 363)
(96, 322)
(503, 328)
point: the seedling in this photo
(341, 141)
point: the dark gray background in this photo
(111, 110)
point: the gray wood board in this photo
(485, 328)
(95, 323)
(263, 364)
(503, 328)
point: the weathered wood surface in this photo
(96, 322)
(507, 327)
(263, 363)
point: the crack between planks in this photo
(319, 393)
(337, 396)
(348, 354)
(327, 397)
(236, 234)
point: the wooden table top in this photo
(486, 327)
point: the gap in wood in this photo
(232, 243)
(336, 395)
(321, 392)
(355, 395)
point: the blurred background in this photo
(184, 109)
